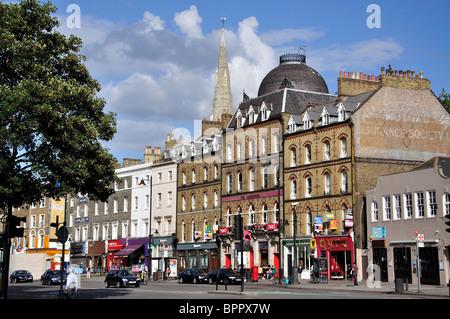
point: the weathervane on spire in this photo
(223, 22)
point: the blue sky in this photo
(156, 59)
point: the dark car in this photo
(224, 275)
(53, 277)
(21, 276)
(192, 275)
(121, 278)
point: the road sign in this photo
(420, 237)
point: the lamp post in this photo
(150, 246)
(295, 265)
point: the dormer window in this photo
(325, 117)
(341, 112)
(215, 145)
(264, 112)
(307, 124)
(291, 125)
(251, 115)
(205, 147)
(239, 119)
(193, 152)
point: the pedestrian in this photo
(168, 272)
(354, 274)
(71, 283)
(300, 269)
(274, 271)
(88, 272)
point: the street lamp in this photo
(150, 246)
(295, 265)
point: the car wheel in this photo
(195, 280)
(106, 284)
(210, 281)
(180, 280)
(118, 284)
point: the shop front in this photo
(78, 257)
(133, 252)
(163, 255)
(305, 255)
(114, 262)
(204, 256)
(96, 255)
(338, 251)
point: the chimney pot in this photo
(340, 74)
(382, 70)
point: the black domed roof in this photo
(293, 73)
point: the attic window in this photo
(291, 125)
(264, 112)
(325, 117)
(306, 122)
(341, 112)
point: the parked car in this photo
(53, 277)
(121, 278)
(192, 275)
(223, 274)
(21, 276)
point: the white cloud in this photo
(355, 56)
(156, 79)
(153, 22)
(189, 22)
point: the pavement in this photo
(431, 291)
(364, 286)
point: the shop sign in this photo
(378, 232)
(198, 234)
(349, 223)
(223, 231)
(335, 243)
(299, 243)
(114, 245)
(272, 226)
(313, 243)
(208, 236)
(333, 224)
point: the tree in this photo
(51, 122)
(444, 98)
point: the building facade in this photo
(406, 223)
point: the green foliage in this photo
(51, 122)
(444, 98)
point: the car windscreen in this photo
(125, 272)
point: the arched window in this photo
(193, 202)
(205, 200)
(265, 217)
(251, 215)
(252, 179)
(293, 188)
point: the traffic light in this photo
(14, 226)
(447, 223)
(238, 233)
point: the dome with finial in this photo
(293, 73)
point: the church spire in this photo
(222, 92)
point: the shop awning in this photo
(128, 250)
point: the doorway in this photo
(380, 259)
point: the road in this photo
(93, 288)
